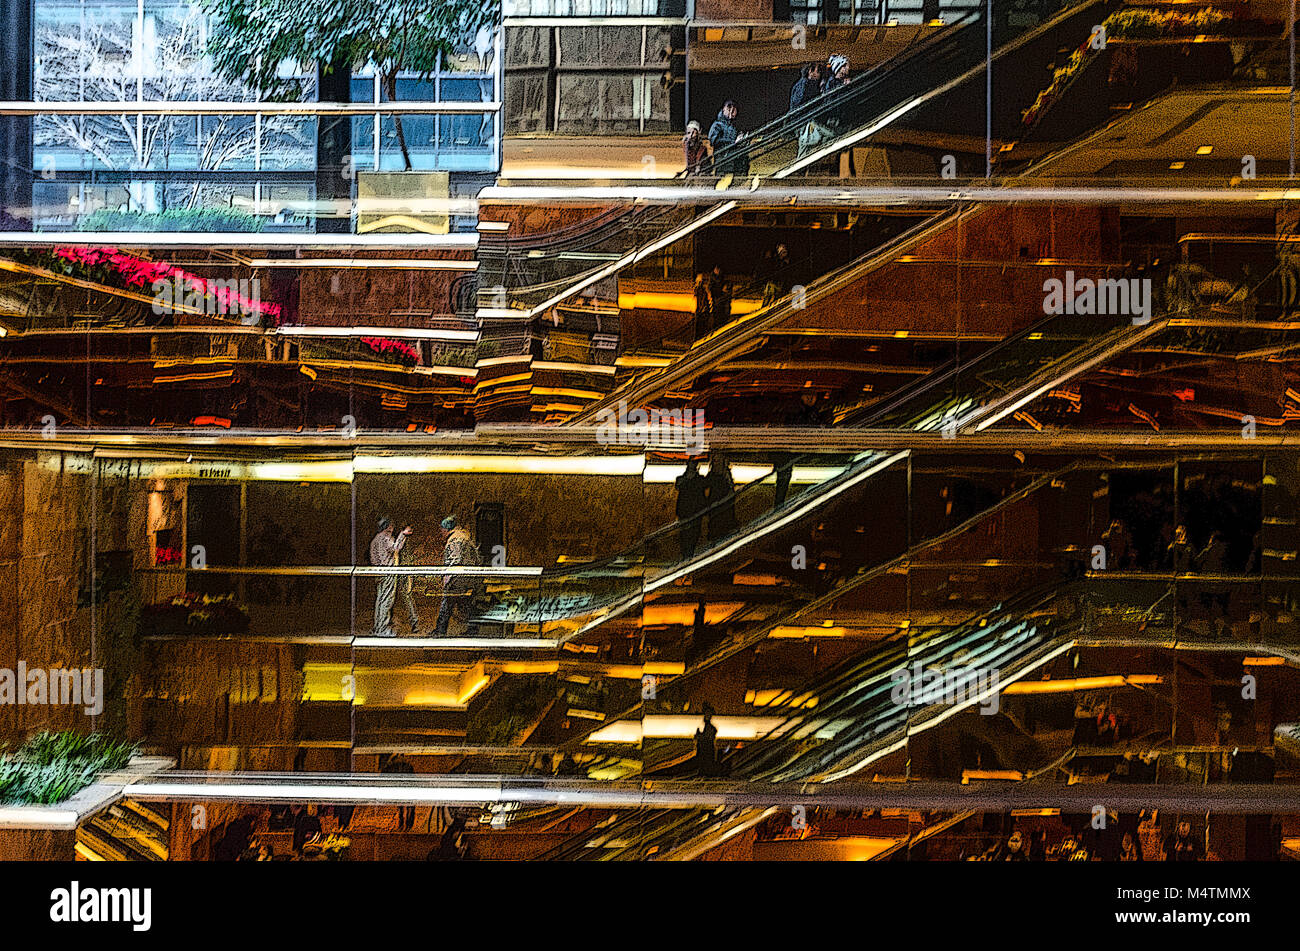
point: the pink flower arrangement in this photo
(137, 272)
(385, 346)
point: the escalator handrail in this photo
(863, 576)
(880, 76)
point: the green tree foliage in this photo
(249, 39)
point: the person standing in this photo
(1182, 846)
(695, 149)
(719, 299)
(406, 557)
(458, 552)
(706, 745)
(384, 548)
(395, 764)
(1129, 850)
(1180, 553)
(703, 308)
(724, 136)
(808, 87)
(722, 498)
(837, 69)
(776, 270)
(692, 500)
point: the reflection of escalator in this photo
(127, 831)
(753, 625)
(540, 277)
(969, 398)
(742, 331)
(868, 707)
(1051, 351)
(859, 716)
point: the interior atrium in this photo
(642, 430)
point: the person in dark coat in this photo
(452, 846)
(1213, 561)
(692, 500)
(723, 134)
(1181, 846)
(391, 764)
(719, 299)
(706, 745)
(722, 498)
(808, 87)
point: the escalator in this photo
(126, 831)
(741, 332)
(854, 722)
(967, 398)
(534, 275)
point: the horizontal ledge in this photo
(227, 108)
(121, 443)
(948, 797)
(467, 241)
(348, 571)
(745, 192)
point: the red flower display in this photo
(385, 346)
(137, 272)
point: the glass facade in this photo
(250, 172)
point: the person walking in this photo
(725, 137)
(695, 149)
(384, 548)
(457, 589)
(692, 500)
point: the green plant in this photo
(105, 752)
(174, 219)
(52, 767)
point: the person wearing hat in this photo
(383, 554)
(696, 149)
(837, 73)
(457, 590)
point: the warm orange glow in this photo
(1081, 683)
(976, 774)
(681, 303)
(714, 613)
(809, 632)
